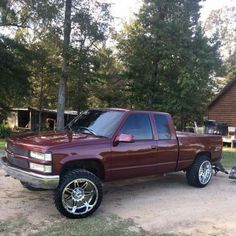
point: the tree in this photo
(230, 66)
(45, 70)
(81, 23)
(14, 76)
(65, 67)
(168, 60)
(194, 85)
(222, 23)
(109, 89)
(90, 36)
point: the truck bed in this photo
(191, 144)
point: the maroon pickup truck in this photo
(103, 145)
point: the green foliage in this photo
(37, 15)
(40, 27)
(45, 71)
(230, 66)
(168, 61)
(109, 87)
(4, 131)
(91, 25)
(14, 58)
(163, 62)
(222, 23)
(98, 79)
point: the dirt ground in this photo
(157, 204)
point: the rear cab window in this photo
(162, 126)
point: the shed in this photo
(223, 107)
(28, 118)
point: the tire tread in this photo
(192, 173)
(66, 178)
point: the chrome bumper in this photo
(35, 180)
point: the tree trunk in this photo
(65, 67)
(41, 100)
(152, 86)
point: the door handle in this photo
(154, 147)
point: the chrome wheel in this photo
(205, 172)
(79, 196)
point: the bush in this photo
(4, 131)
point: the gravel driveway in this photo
(158, 204)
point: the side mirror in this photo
(124, 138)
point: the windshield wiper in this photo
(87, 129)
(68, 127)
(91, 132)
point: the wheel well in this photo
(93, 166)
(200, 154)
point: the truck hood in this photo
(45, 140)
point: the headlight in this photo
(41, 156)
(42, 168)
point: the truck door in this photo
(136, 158)
(167, 144)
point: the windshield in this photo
(96, 122)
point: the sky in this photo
(123, 10)
(210, 5)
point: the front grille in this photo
(17, 162)
(13, 151)
(16, 150)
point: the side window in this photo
(139, 126)
(163, 128)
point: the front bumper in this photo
(35, 180)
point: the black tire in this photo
(194, 174)
(31, 188)
(68, 196)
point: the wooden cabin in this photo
(223, 107)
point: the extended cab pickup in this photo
(103, 145)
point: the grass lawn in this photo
(229, 157)
(2, 144)
(91, 226)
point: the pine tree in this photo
(168, 60)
